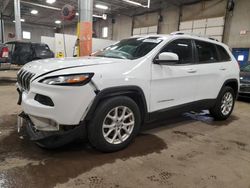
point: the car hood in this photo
(48, 65)
(245, 76)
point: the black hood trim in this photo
(60, 69)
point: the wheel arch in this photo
(133, 92)
(233, 83)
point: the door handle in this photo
(223, 68)
(191, 71)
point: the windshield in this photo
(132, 48)
(246, 68)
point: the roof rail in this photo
(178, 33)
(192, 34)
(213, 39)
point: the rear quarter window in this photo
(224, 56)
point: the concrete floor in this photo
(188, 151)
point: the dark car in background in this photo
(245, 81)
(23, 52)
(4, 57)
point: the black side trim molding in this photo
(176, 110)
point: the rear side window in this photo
(183, 48)
(42, 48)
(224, 56)
(206, 52)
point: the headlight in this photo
(72, 79)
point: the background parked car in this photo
(245, 81)
(4, 57)
(24, 52)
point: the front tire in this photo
(115, 124)
(224, 104)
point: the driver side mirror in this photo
(167, 58)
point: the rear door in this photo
(174, 84)
(213, 64)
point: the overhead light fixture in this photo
(97, 16)
(77, 14)
(58, 22)
(22, 20)
(104, 16)
(103, 7)
(137, 3)
(40, 5)
(34, 11)
(50, 1)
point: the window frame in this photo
(178, 64)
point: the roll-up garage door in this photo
(146, 24)
(212, 27)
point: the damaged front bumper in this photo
(66, 136)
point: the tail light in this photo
(4, 52)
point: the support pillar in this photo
(85, 27)
(18, 28)
(1, 29)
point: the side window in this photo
(181, 47)
(224, 56)
(206, 52)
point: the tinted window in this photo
(206, 52)
(22, 48)
(223, 54)
(181, 47)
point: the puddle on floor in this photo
(58, 166)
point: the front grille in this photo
(23, 79)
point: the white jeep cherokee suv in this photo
(108, 96)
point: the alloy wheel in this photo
(118, 125)
(227, 103)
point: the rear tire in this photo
(115, 124)
(224, 104)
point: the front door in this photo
(174, 84)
